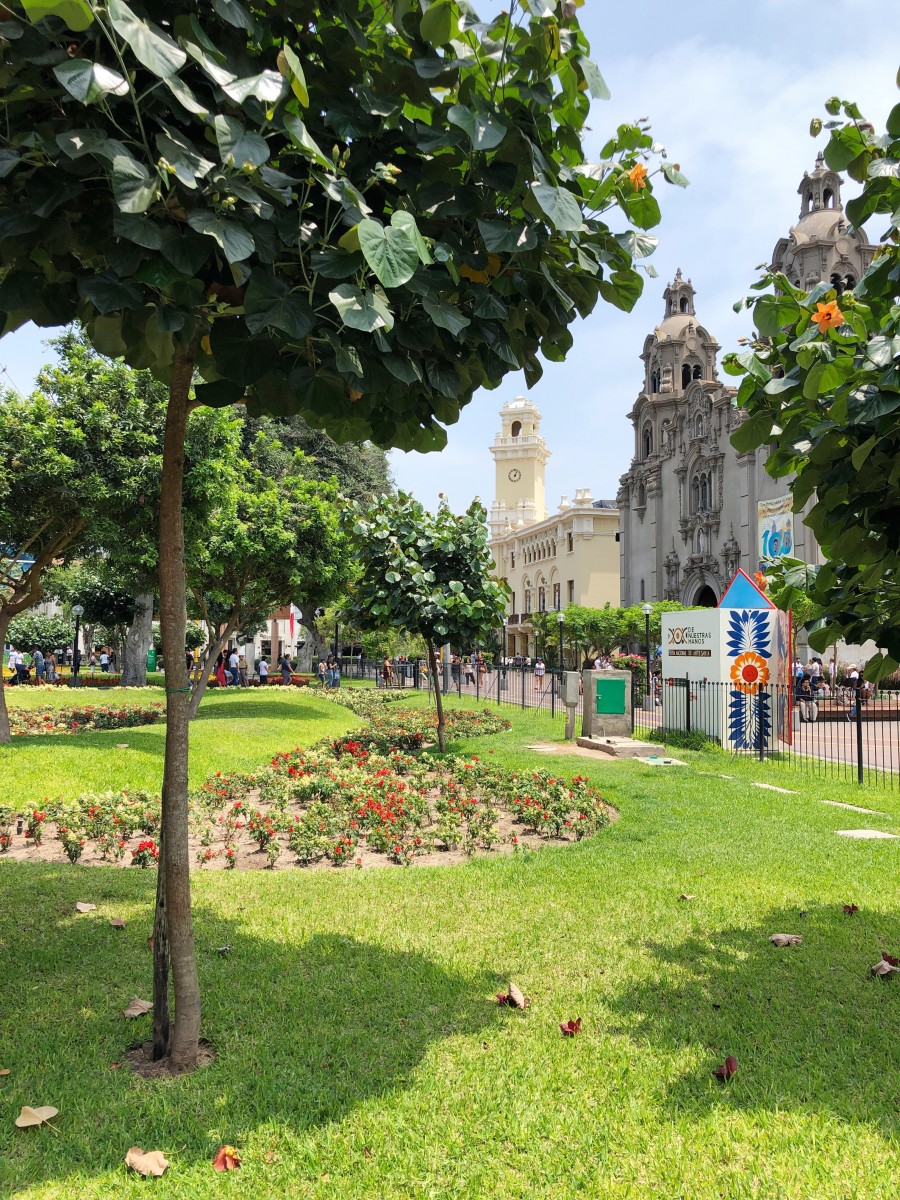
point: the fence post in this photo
(477, 682)
(687, 705)
(859, 736)
(761, 697)
(523, 686)
(552, 695)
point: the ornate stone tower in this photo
(520, 456)
(821, 247)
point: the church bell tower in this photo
(520, 455)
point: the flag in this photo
(295, 615)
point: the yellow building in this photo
(548, 561)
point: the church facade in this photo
(692, 509)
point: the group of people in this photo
(231, 668)
(811, 686)
(330, 671)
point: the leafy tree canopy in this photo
(360, 212)
(40, 631)
(603, 630)
(821, 385)
(430, 574)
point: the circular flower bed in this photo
(82, 718)
(362, 799)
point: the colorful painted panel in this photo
(748, 649)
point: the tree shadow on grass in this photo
(303, 1032)
(282, 710)
(811, 1028)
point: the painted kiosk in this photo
(726, 670)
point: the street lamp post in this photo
(77, 612)
(647, 610)
(560, 619)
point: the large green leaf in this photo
(269, 303)
(390, 252)
(267, 87)
(88, 81)
(440, 24)
(108, 294)
(151, 47)
(291, 67)
(134, 189)
(77, 142)
(501, 237)
(300, 136)
(239, 146)
(234, 240)
(559, 205)
(361, 310)
(405, 220)
(753, 432)
(75, 14)
(234, 13)
(447, 316)
(485, 130)
(595, 81)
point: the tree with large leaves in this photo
(601, 631)
(429, 574)
(361, 212)
(821, 386)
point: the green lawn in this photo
(235, 730)
(361, 1053)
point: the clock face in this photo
(515, 475)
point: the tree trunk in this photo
(202, 681)
(174, 885)
(315, 646)
(137, 642)
(5, 733)
(433, 667)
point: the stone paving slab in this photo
(770, 787)
(872, 812)
(865, 834)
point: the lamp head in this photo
(560, 616)
(646, 610)
(77, 610)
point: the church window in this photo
(570, 542)
(527, 607)
(828, 198)
(513, 557)
(851, 281)
(695, 494)
(684, 304)
(704, 493)
(556, 597)
(570, 590)
(542, 599)
(654, 381)
(642, 495)
(648, 441)
(512, 601)
(642, 590)
(685, 375)
(697, 372)
(516, 428)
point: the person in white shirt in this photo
(263, 671)
(233, 668)
(104, 661)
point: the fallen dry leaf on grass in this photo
(514, 998)
(117, 923)
(146, 1162)
(227, 1159)
(728, 1068)
(889, 958)
(885, 968)
(686, 896)
(35, 1116)
(137, 1007)
(570, 1028)
(5, 1071)
(786, 939)
(850, 909)
(83, 906)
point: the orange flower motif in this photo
(638, 176)
(759, 578)
(749, 672)
(828, 316)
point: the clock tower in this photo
(520, 455)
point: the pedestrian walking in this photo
(263, 671)
(233, 667)
(50, 667)
(387, 673)
(285, 664)
(322, 673)
(104, 660)
(242, 670)
(220, 671)
(37, 661)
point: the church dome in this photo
(674, 328)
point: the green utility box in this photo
(611, 696)
(151, 659)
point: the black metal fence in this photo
(830, 733)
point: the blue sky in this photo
(730, 89)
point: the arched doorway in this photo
(705, 598)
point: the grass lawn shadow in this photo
(304, 1032)
(806, 1023)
